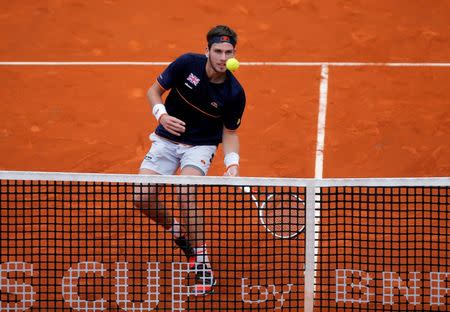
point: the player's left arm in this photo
(230, 139)
(230, 145)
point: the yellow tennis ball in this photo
(232, 64)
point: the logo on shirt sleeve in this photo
(193, 79)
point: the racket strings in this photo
(284, 214)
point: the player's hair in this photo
(218, 31)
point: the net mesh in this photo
(384, 249)
(85, 246)
(86, 243)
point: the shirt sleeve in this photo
(233, 113)
(173, 72)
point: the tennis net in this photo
(84, 242)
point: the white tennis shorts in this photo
(165, 157)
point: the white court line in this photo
(314, 231)
(294, 64)
(321, 122)
(84, 63)
(349, 64)
(313, 199)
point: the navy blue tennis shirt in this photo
(204, 106)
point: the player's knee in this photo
(138, 199)
(186, 195)
(144, 198)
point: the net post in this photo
(309, 249)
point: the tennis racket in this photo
(281, 214)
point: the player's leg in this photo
(196, 162)
(193, 217)
(146, 199)
(161, 159)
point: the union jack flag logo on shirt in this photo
(193, 79)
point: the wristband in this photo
(159, 110)
(231, 159)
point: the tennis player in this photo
(203, 109)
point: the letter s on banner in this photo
(24, 291)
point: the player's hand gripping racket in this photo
(281, 214)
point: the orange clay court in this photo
(381, 121)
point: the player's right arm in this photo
(170, 123)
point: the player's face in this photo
(218, 55)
